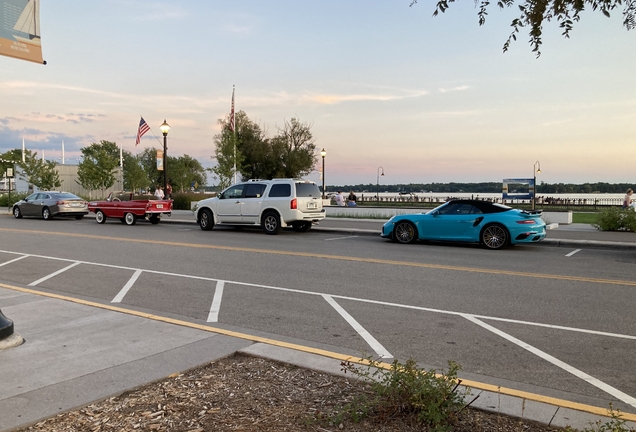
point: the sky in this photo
(386, 87)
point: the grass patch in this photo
(585, 218)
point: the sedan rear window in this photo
(67, 196)
(307, 190)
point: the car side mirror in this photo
(436, 213)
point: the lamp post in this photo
(165, 127)
(377, 184)
(323, 153)
(537, 169)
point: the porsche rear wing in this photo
(532, 212)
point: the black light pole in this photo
(323, 153)
(537, 169)
(377, 185)
(165, 127)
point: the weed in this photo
(404, 389)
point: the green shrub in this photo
(433, 399)
(616, 218)
(183, 201)
(15, 197)
(616, 424)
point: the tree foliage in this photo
(33, 170)
(97, 170)
(135, 177)
(533, 14)
(290, 154)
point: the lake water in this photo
(442, 195)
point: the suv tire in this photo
(271, 223)
(206, 220)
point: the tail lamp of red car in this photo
(293, 204)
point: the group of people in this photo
(159, 192)
(349, 201)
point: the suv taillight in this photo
(293, 204)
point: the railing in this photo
(548, 203)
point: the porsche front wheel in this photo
(405, 232)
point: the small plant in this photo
(616, 424)
(434, 399)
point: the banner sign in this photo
(20, 30)
(159, 160)
(516, 195)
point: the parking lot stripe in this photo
(216, 302)
(120, 295)
(14, 260)
(54, 274)
(573, 252)
(373, 343)
(555, 361)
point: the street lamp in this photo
(377, 184)
(323, 153)
(537, 169)
(165, 127)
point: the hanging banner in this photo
(20, 30)
(160, 160)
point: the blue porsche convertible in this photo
(470, 221)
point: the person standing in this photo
(168, 191)
(159, 193)
(627, 201)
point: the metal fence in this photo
(547, 204)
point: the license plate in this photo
(159, 205)
(312, 205)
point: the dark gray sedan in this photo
(51, 204)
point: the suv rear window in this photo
(307, 190)
(280, 190)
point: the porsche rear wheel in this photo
(100, 217)
(405, 232)
(494, 236)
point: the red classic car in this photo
(128, 210)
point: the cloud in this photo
(454, 89)
(237, 29)
(330, 99)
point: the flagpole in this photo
(234, 132)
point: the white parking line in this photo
(566, 367)
(213, 316)
(54, 274)
(373, 343)
(120, 295)
(340, 238)
(13, 260)
(573, 252)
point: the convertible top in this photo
(483, 206)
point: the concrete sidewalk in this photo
(78, 352)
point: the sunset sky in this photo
(428, 99)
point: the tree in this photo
(184, 171)
(294, 147)
(97, 170)
(135, 177)
(535, 12)
(290, 154)
(34, 170)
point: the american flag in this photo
(232, 125)
(143, 128)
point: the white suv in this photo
(272, 204)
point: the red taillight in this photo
(293, 204)
(59, 203)
(526, 222)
